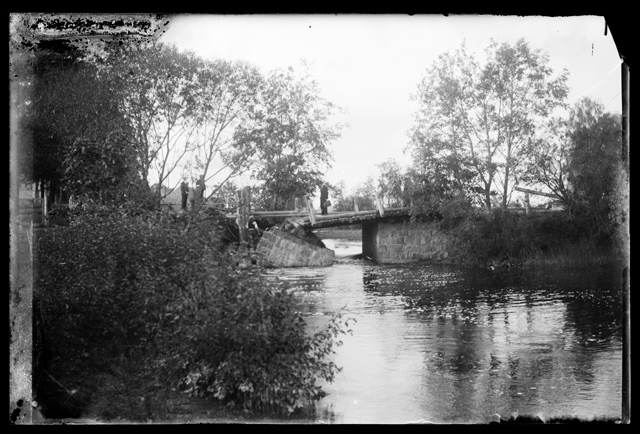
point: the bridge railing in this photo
(303, 208)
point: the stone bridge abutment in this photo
(405, 242)
(386, 242)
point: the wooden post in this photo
(247, 201)
(45, 212)
(242, 216)
(239, 222)
(526, 203)
(380, 207)
(297, 204)
(355, 204)
(312, 215)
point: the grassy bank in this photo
(549, 239)
(583, 253)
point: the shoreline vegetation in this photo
(140, 316)
(581, 253)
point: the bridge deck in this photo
(302, 218)
(330, 220)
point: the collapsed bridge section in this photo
(279, 248)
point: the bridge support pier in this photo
(370, 240)
(403, 242)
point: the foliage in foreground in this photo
(135, 307)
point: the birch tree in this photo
(481, 120)
(225, 91)
(157, 85)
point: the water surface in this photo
(456, 345)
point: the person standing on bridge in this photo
(324, 199)
(184, 190)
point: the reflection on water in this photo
(454, 345)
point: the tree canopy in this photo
(69, 104)
(150, 112)
(285, 137)
(157, 87)
(477, 122)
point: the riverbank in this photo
(580, 254)
(186, 410)
(183, 409)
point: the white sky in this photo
(370, 64)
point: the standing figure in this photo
(184, 190)
(324, 198)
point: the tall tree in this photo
(595, 161)
(226, 90)
(69, 104)
(157, 87)
(481, 120)
(285, 137)
(446, 142)
(341, 201)
(391, 183)
(549, 164)
(520, 94)
(365, 194)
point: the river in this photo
(449, 344)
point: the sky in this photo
(369, 65)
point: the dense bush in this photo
(483, 237)
(135, 306)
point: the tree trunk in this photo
(487, 196)
(506, 185)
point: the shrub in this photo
(500, 235)
(133, 306)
